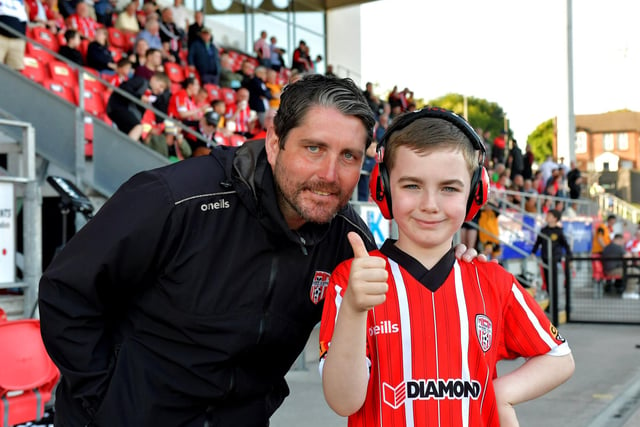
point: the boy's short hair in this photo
(122, 62)
(69, 34)
(163, 78)
(426, 133)
(556, 214)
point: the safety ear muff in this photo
(479, 195)
(379, 189)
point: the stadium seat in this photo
(228, 95)
(3, 316)
(59, 89)
(45, 37)
(41, 55)
(118, 38)
(27, 374)
(91, 82)
(93, 103)
(33, 70)
(190, 71)
(174, 71)
(116, 53)
(601, 281)
(175, 87)
(63, 73)
(213, 91)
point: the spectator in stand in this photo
(123, 72)
(13, 13)
(372, 99)
(528, 160)
(138, 53)
(149, 10)
(104, 10)
(126, 114)
(220, 108)
(574, 181)
(182, 105)
(301, 60)
(277, 58)
(70, 49)
(171, 36)
(54, 19)
(181, 16)
(262, 49)
(613, 264)
(489, 226)
(127, 19)
(247, 71)
(167, 139)
(547, 167)
(365, 172)
(228, 78)
(633, 245)
(602, 235)
(203, 55)
(259, 94)
(381, 127)
(207, 126)
(394, 100)
(82, 22)
(329, 71)
(515, 161)
(498, 148)
(195, 28)
(151, 33)
(531, 203)
(275, 88)
(242, 117)
(556, 238)
(99, 56)
(152, 64)
(295, 76)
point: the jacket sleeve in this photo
(86, 290)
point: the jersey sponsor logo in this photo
(319, 286)
(484, 331)
(385, 327)
(555, 334)
(214, 206)
(436, 389)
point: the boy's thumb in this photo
(359, 249)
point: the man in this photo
(602, 235)
(259, 93)
(203, 55)
(187, 298)
(574, 181)
(182, 105)
(262, 49)
(152, 64)
(195, 28)
(228, 78)
(170, 34)
(82, 22)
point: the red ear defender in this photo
(378, 191)
(479, 195)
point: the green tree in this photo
(541, 141)
(482, 114)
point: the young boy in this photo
(411, 337)
(558, 241)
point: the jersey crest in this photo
(484, 331)
(319, 286)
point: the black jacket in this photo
(187, 297)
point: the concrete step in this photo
(13, 306)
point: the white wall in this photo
(343, 42)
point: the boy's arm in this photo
(345, 373)
(537, 376)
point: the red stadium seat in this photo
(28, 375)
(175, 87)
(59, 89)
(41, 55)
(190, 71)
(93, 103)
(228, 95)
(91, 82)
(63, 73)
(118, 38)
(213, 91)
(174, 71)
(33, 70)
(45, 37)
(116, 53)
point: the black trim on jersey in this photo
(430, 279)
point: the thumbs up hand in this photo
(367, 279)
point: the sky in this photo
(511, 52)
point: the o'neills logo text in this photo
(214, 206)
(430, 389)
(385, 327)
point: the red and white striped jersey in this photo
(434, 343)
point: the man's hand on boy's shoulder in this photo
(367, 279)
